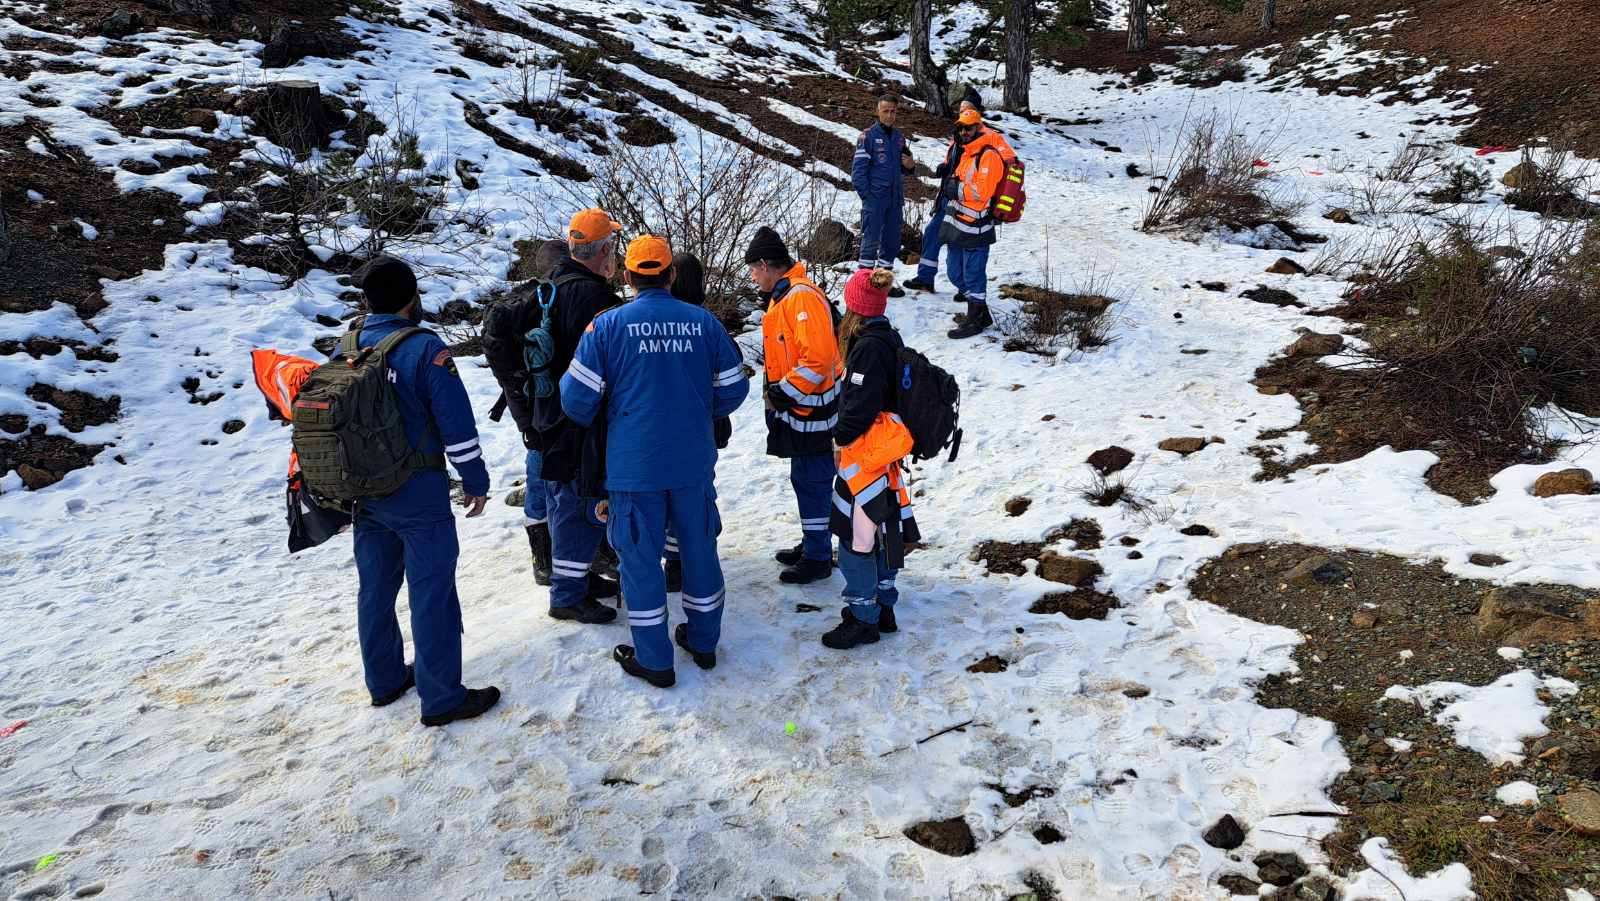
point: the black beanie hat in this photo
(766, 246)
(389, 285)
(972, 96)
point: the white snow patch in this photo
(89, 232)
(1518, 794)
(1510, 653)
(1387, 879)
(1493, 719)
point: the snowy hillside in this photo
(195, 721)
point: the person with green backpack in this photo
(373, 428)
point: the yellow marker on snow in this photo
(45, 862)
(789, 728)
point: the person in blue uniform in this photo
(663, 371)
(878, 172)
(410, 535)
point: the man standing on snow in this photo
(932, 241)
(878, 171)
(802, 393)
(410, 535)
(969, 224)
(662, 370)
(583, 291)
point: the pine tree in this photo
(1019, 65)
(1269, 16)
(929, 79)
(1138, 26)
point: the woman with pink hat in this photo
(871, 513)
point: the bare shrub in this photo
(1104, 492)
(706, 196)
(1048, 320)
(1553, 183)
(1213, 180)
(1461, 182)
(1476, 342)
(1397, 187)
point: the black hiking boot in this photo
(791, 555)
(977, 320)
(896, 291)
(606, 560)
(588, 611)
(476, 703)
(915, 283)
(660, 678)
(602, 588)
(674, 573)
(849, 633)
(704, 661)
(886, 623)
(539, 543)
(398, 693)
(805, 572)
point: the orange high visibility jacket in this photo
(279, 376)
(870, 477)
(968, 221)
(802, 367)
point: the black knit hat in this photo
(389, 284)
(765, 247)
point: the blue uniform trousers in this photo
(968, 268)
(535, 506)
(867, 582)
(392, 547)
(880, 232)
(812, 478)
(574, 538)
(638, 530)
(932, 241)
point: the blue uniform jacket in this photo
(664, 369)
(438, 418)
(875, 172)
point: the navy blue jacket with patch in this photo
(875, 171)
(664, 370)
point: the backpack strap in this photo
(418, 459)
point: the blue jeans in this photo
(390, 548)
(574, 538)
(867, 582)
(536, 506)
(968, 268)
(812, 478)
(932, 241)
(638, 530)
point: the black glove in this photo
(941, 170)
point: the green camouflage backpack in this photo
(348, 431)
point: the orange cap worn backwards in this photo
(969, 117)
(649, 255)
(591, 225)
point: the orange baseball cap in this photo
(969, 117)
(649, 255)
(591, 225)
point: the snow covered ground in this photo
(196, 721)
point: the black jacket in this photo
(689, 286)
(870, 379)
(575, 306)
(504, 324)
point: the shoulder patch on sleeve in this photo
(443, 358)
(857, 378)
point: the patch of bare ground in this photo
(1371, 621)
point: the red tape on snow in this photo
(1485, 151)
(11, 730)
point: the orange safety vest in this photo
(870, 465)
(977, 176)
(802, 353)
(279, 377)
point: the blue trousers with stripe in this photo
(638, 530)
(932, 241)
(968, 268)
(575, 536)
(880, 232)
(812, 478)
(535, 507)
(868, 582)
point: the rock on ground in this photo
(1567, 481)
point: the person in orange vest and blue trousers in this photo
(871, 513)
(932, 237)
(663, 370)
(802, 395)
(969, 223)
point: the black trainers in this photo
(398, 693)
(886, 623)
(662, 678)
(704, 661)
(916, 284)
(601, 588)
(539, 544)
(850, 633)
(789, 556)
(673, 570)
(476, 703)
(588, 610)
(805, 572)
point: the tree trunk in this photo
(929, 78)
(5, 230)
(1138, 26)
(1019, 65)
(296, 118)
(1269, 16)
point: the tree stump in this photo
(295, 117)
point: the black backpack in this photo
(511, 329)
(929, 402)
(348, 430)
